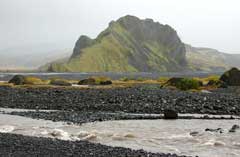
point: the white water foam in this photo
(6, 128)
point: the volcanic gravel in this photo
(18, 145)
(82, 117)
(88, 105)
(141, 99)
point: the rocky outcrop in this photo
(83, 42)
(231, 77)
(128, 45)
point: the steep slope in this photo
(128, 45)
(207, 59)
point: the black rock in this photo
(170, 114)
(17, 80)
(231, 77)
(234, 128)
(220, 130)
(194, 133)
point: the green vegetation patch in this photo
(59, 82)
(32, 80)
(184, 83)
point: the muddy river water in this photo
(183, 137)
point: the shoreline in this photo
(18, 145)
(146, 99)
(90, 105)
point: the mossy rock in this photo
(17, 80)
(184, 83)
(60, 82)
(32, 80)
(22, 80)
(95, 81)
(88, 81)
(231, 77)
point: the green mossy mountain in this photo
(128, 45)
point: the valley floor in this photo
(88, 105)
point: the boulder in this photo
(95, 81)
(219, 130)
(231, 77)
(234, 128)
(60, 82)
(22, 80)
(88, 81)
(30, 80)
(170, 114)
(107, 82)
(194, 133)
(17, 80)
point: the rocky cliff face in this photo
(128, 45)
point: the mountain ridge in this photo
(130, 44)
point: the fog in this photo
(204, 23)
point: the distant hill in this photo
(32, 56)
(207, 59)
(128, 45)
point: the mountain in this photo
(128, 45)
(207, 59)
(32, 56)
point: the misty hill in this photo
(128, 45)
(207, 59)
(32, 56)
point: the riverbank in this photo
(89, 105)
(18, 145)
(138, 99)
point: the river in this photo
(151, 135)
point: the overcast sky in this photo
(208, 23)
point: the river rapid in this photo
(183, 137)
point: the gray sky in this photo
(208, 23)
